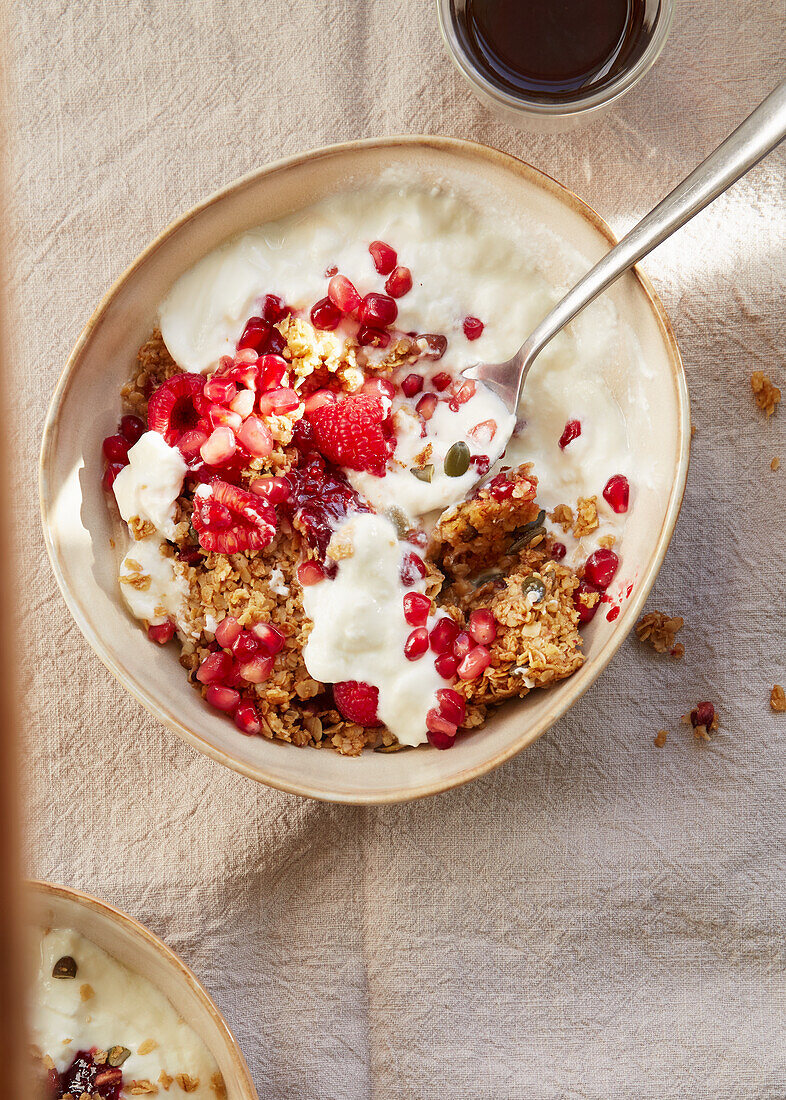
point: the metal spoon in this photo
(753, 139)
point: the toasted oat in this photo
(423, 456)
(403, 351)
(775, 464)
(165, 1080)
(147, 1046)
(218, 1086)
(100, 1056)
(766, 395)
(562, 515)
(660, 738)
(141, 528)
(142, 1088)
(155, 365)
(317, 354)
(86, 991)
(660, 631)
(778, 698)
(586, 517)
(607, 541)
(186, 1082)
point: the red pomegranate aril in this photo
(219, 417)
(416, 608)
(115, 449)
(243, 403)
(369, 337)
(465, 392)
(379, 387)
(215, 668)
(412, 569)
(483, 432)
(191, 443)
(278, 402)
(452, 705)
(273, 308)
(330, 270)
(245, 646)
(483, 626)
(222, 698)
(571, 431)
(384, 257)
(617, 493)
(310, 572)
(600, 567)
(258, 669)
(247, 719)
(412, 385)
(446, 665)
(228, 631)
(441, 381)
(256, 437)
(462, 645)
(500, 488)
(220, 390)
(474, 664)
(245, 357)
(441, 732)
(399, 282)
(443, 635)
(273, 369)
(426, 406)
(325, 315)
(473, 328)
(342, 294)
(276, 489)
(586, 612)
(275, 343)
(378, 310)
(558, 551)
(161, 632)
(254, 334)
(132, 428)
(482, 464)
(270, 638)
(110, 473)
(319, 398)
(416, 644)
(219, 447)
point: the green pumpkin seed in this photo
(399, 521)
(534, 588)
(457, 459)
(423, 473)
(65, 967)
(524, 535)
(118, 1055)
(487, 577)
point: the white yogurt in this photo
(151, 482)
(108, 1005)
(360, 630)
(165, 597)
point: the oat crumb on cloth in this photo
(778, 699)
(765, 393)
(658, 630)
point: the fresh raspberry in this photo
(357, 702)
(171, 410)
(232, 520)
(352, 433)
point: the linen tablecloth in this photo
(600, 918)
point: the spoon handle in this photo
(753, 139)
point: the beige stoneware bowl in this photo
(50, 906)
(85, 408)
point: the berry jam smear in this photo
(85, 1075)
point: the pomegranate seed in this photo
(412, 384)
(441, 381)
(462, 645)
(244, 357)
(220, 390)
(378, 310)
(274, 369)
(276, 489)
(446, 665)
(384, 257)
(473, 328)
(219, 447)
(426, 406)
(275, 343)
(475, 663)
(191, 442)
(441, 732)
(310, 572)
(273, 308)
(369, 337)
(110, 473)
(379, 387)
(416, 644)
(278, 402)
(247, 720)
(483, 432)
(416, 608)
(331, 269)
(325, 315)
(161, 632)
(228, 631)
(256, 437)
(343, 294)
(482, 464)
(270, 638)
(215, 668)
(443, 635)
(244, 646)
(243, 403)
(483, 626)
(617, 493)
(115, 449)
(254, 334)
(412, 568)
(500, 488)
(132, 428)
(600, 567)
(452, 705)
(586, 613)
(399, 282)
(465, 391)
(222, 698)
(219, 417)
(257, 670)
(319, 398)
(571, 431)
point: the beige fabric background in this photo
(599, 919)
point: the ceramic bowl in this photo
(77, 522)
(51, 906)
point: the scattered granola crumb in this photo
(660, 738)
(660, 631)
(586, 517)
(147, 1046)
(607, 542)
(165, 1080)
(775, 464)
(704, 719)
(778, 699)
(217, 1085)
(142, 1088)
(86, 992)
(563, 515)
(766, 394)
(186, 1082)
(99, 1056)
(692, 430)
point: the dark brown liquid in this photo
(554, 49)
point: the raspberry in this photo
(232, 520)
(171, 410)
(350, 433)
(357, 702)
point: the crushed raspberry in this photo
(319, 501)
(172, 409)
(357, 702)
(352, 433)
(84, 1076)
(232, 520)
(571, 431)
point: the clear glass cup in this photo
(534, 113)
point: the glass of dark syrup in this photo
(553, 60)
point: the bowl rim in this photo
(459, 147)
(116, 916)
